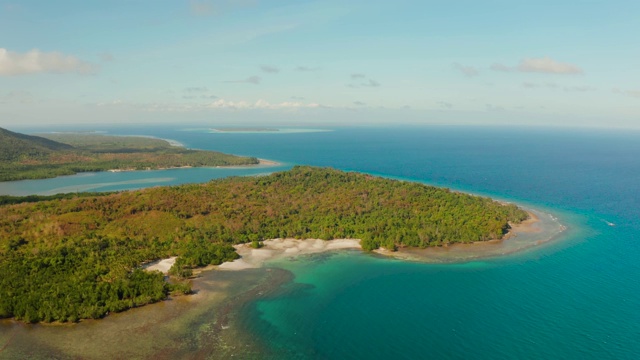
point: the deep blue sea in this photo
(577, 297)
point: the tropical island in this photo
(51, 155)
(79, 256)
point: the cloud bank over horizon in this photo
(540, 65)
(318, 61)
(35, 61)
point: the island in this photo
(80, 256)
(244, 130)
(56, 154)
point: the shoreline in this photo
(225, 293)
(261, 162)
(162, 265)
(171, 142)
(273, 249)
(539, 229)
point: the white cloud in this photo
(36, 61)
(548, 65)
(255, 80)
(201, 8)
(632, 93)
(583, 88)
(540, 65)
(468, 71)
(371, 83)
(270, 69)
(367, 82)
(500, 67)
(227, 104)
(552, 85)
(445, 104)
(260, 104)
(494, 108)
(217, 7)
(106, 57)
(191, 105)
(197, 89)
(307, 69)
(530, 85)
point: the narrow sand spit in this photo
(539, 229)
(268, 162)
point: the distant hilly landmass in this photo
(14, 146)
(50, 155)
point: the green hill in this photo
(75, 258)
(34, 157)
(14, 146)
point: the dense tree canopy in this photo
(72, 258)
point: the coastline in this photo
(261, 162)
(267, 162)
(273, 249)
(162, 265)
(226, 292)
(171, 142)
(539, 229)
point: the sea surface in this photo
(576, 297)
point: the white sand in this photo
(282, 248)
(161, 265)
(277, 248)
(251, 258)
(268, 162)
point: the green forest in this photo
(36, 157)
(78, 257)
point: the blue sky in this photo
(562, 63)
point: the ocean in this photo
(577, 296)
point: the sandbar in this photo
(268, 162)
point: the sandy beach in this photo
(282, 248)
(266, 162)
(538, 229)
(261, 162)
(160, 265)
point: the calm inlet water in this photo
(575, 297)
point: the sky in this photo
(313, 63)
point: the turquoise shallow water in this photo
(578, 297)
